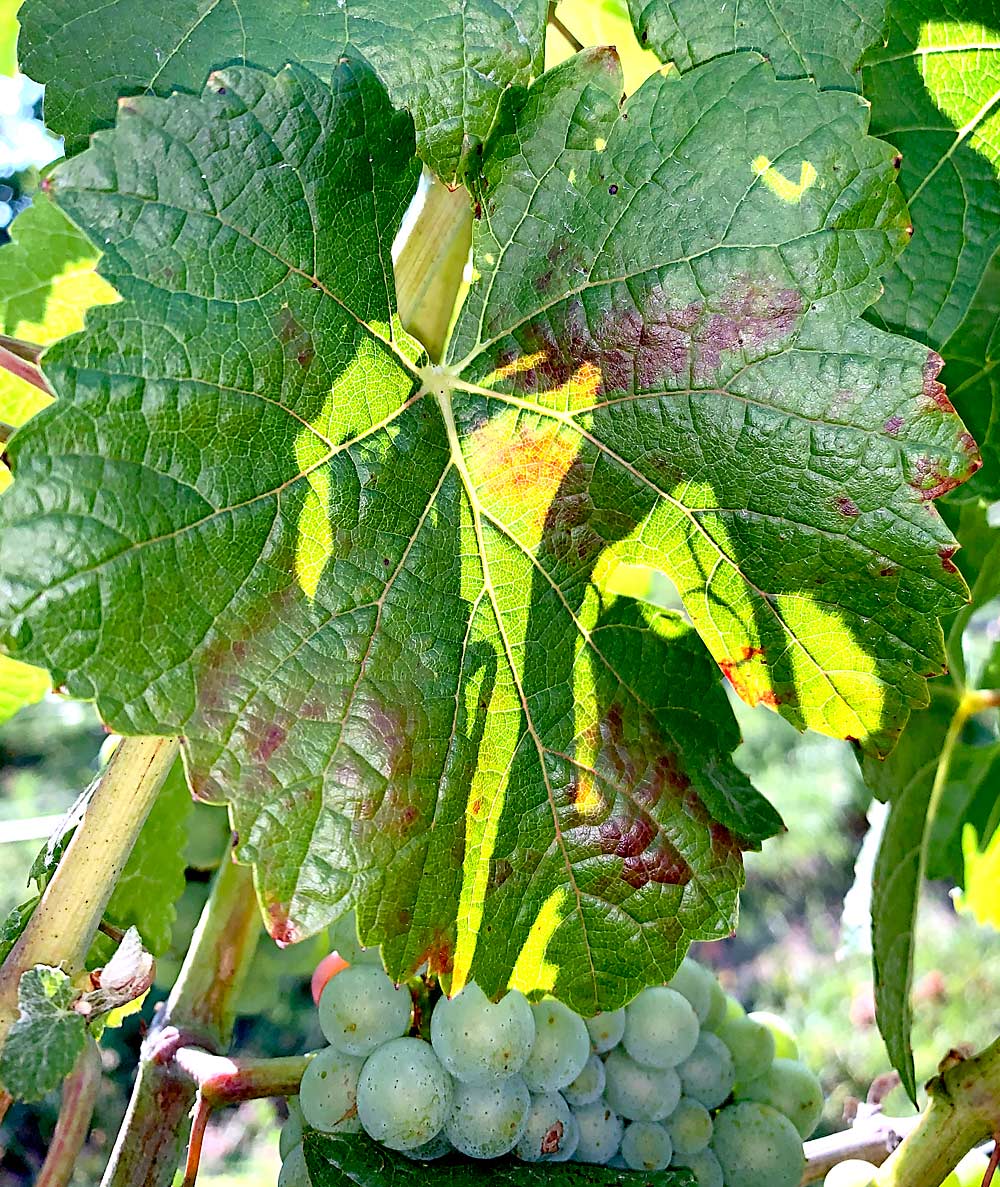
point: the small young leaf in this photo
(44, 1043)
(446, 61)
(20, 684)
(14, 924)
(933, 90)
(982, 877)
(334, 1159)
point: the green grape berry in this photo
(606, 1030)
(588, 1086)
(852, 1172)
(661, 1028)
(646, 1146)
(703, 1165)
(785, 1044)
(430, 1151)
(639, 1093)
(294, 1172)
(328, 1092)
(751, 1046)
(360, 1009)
(550, 1130)
(708, 1074)
(487, 1120)
(404, 1094)
(601, 1132)
(689, 1126)
(694, 982)
(479, 1042)
(291, 1131)
(792, 1089)
(561, 1048)
(757, 1147)
(717, 1007)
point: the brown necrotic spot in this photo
(551, 1140)
(947, 563)
(933, 391)
(846, 506)
(279, 926)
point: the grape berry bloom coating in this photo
(679, 1077)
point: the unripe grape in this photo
(601, 1132)
(328, 1092)
(487, 1120)
(694, 982)
(757, 1147)
(479, 1042)
(361, 1009)
(606, 1030)
(404, 1094)
(291, 1131)
(661, 1028)
(792, 1089)
(294, 1172)
(639, 1093)
(646, 1146)
(703, 1165)
(689, 1126)
(751, 1046)
(588, 1086)
(785, 1044)
(708, 1075)
(717, 1007)
(550, 1130)
(437, 1147)
(852, 1172)
(561, 1048)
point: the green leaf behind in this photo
(447, 61)
(333, 1160)
(45, 1041)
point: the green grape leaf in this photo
(48, 281)
(775, 457)
(14, 924)
(46, 1039)
(447, 61)
(333, 1160)
(822, 41)
(935, 95)
(941, 778)
(20, 684)
(368, 592)
(982, 875)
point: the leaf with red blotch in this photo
(371, 594)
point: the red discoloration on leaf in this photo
(934, 392)
(846, 506)
(753, 315)
(438, 956)
(273, 737)
(931, 482)
(296, 340)
(552, 1139)
(888, 571)
(947, 563)
(749, 677)
(893, 425)
(663, 864)
(279, 926)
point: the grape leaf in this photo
(8, 36)
(334, 1159)
(447, 61)
(15, 923)
(20, 685)
(385, 641)
(45, 1041)
(941, 777)
(982, 875)
(48, 281)
(935, 95)
(824, 41)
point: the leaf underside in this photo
(367, 592)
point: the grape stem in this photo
(63, 925)
(79, 1095)
(994, 1161)
(562, 30)
(963, 1110)
(196, 1020)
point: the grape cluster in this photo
(678, 1077)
